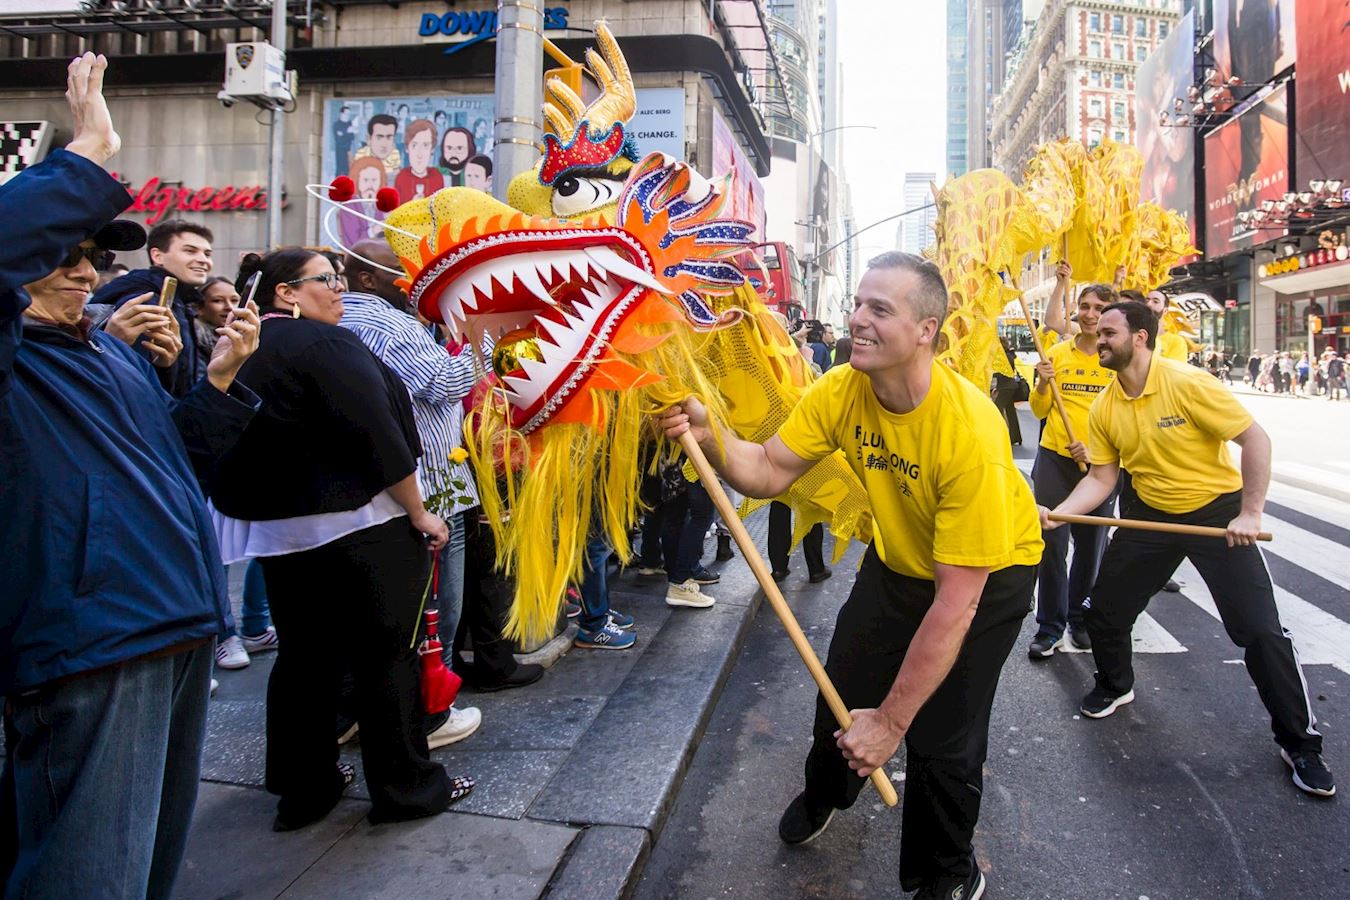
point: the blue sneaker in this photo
(619, 620)
(607, 638)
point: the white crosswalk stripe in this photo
(1322, 638)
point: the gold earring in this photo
(295, 311)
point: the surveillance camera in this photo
(226, 100)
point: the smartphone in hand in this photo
(167, 292)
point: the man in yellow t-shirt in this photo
(1169, 424)
(1074, 367)
(937, 604)
(1170, 346)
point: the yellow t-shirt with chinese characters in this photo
(1172, 346)
(1172, 438)
(940, 477)
(1081, 377)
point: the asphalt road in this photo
(1179, 795)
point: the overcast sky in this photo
(894, 78)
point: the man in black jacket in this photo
(181, 249)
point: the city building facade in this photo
(804, 193)
(915, 231)
(185, 155)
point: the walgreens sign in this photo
(159, 199)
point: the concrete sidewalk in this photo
(576, 774)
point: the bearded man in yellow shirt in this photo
(939, 600)
(1074, 366)
(1168, 424)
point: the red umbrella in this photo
(440, 686)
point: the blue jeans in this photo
(253, 616)
(450, 589)
(687, 519)
(595, 586)
(1063, 588)
(100, 779)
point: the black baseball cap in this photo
(120, 234)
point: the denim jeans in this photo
(595, 586)
(253, 616)
(450, 588)
(100, 779)
(687, 519)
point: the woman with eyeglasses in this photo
(321, 488)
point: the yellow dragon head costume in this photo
(609, 291)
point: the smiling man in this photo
(182, 250)
(919, 645)
(1168, 424)
(1074, 366)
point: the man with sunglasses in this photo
(114, 592)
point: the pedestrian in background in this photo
(114, 592)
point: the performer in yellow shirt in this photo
(1170, 346)
(1169, 425)
(1073, 364)
(939, 599)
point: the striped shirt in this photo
(436, 381)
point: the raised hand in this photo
(95, 139)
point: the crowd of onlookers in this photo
(1296, 374)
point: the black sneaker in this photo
(1079, 637)
(1172, 587)
(1100, 702)
(818, 577)
(1043, 646)
(1310, 774)
(701, 575)
(801, 823)
(970, 888)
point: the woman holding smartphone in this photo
(321, 487)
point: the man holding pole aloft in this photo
(1073, 364)
(1168, 425)
(939, 599)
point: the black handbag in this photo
(1021, 390)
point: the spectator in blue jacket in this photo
(114, 591)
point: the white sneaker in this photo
(688, 594)
(230, 653)
(461, 724)
(215, 685)
(261, 643)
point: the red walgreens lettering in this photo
(160, 199)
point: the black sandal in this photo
(290, 819)
(460, 787)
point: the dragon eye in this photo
(573, 195)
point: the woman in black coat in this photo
(322, 488)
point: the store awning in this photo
(1318, 278)
(1194, 303)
